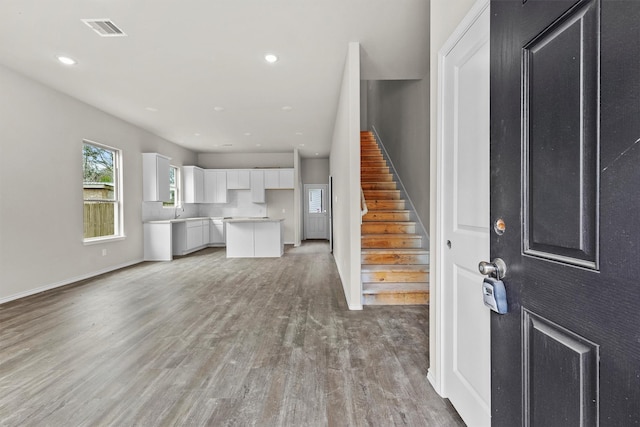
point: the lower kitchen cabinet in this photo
(157, 241)
(257, 238)
(165, 238)
(216, 232)
(188, 236)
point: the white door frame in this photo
(330, 212)
(437, 311)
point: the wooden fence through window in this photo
(99, 219)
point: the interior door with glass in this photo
(315, 208)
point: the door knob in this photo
(496, 268)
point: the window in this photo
(174, 188)
(315, 200)
(101, 191)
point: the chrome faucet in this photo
(175, 213)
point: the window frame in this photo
(118, 219)
(177, 202)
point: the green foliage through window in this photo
(174, 178)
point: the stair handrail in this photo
(363, 205)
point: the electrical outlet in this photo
(104, 252)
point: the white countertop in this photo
(171, 221)
(251, 219)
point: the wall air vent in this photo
(104, 27)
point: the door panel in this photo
(561, 145)
(560, 374)
(565, 151)
(468, 361)
(465, 220)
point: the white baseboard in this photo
(431, 377)
(66, 282)
(355, 306)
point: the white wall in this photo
(445, 16)
(245, 160)
(345, 169)
(315, 171)
(41, 214)
(239, 203)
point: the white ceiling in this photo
(186, 57)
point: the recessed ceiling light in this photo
(317, 154)
(287, 108)
(66, 60)
(300, 145)
(247, 134)
(218, 109)
(152, 109)
(197, 134)
(258, 145)
(298, 133)
(270, 58)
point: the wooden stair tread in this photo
(423, 268)
(389, 256)
(392, 223)
(389, 185)
(388, 288)
(396, 251)
(387, 227)
(398, 235)
(398, 211)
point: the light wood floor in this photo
(206, 340)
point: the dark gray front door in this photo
(565, 178)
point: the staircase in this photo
(395, 268)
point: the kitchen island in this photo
(254, 237)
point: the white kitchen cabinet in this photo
(271, 178)
(238, 179)
(188, 236)
(155, 178)
(258, 238)
(193, 179)
(216, 232)
(157, 241)
(286, 178)
(206, 225)
(278, 179)
(257, 186)
(194, 235)
(215, 186)
(268, 240)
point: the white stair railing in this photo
(363, 205)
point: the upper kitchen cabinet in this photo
(278, 178)
(193, 178)
(286, 178)
(238, 179)
(215, 186)
(257, 186)
(155, 178)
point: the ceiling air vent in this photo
(104, 27)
